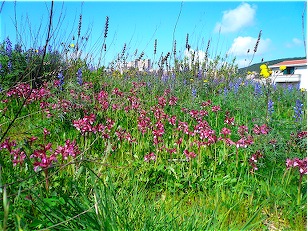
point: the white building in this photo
(141, 65)
(295, 72)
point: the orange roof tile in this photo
(298, 62)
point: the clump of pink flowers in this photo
(42, 159)
(18, 155)
(253, 160)
(158, 132)
(144, 123)
(173, 100)
(301, 135)
(301, 164)
(85, 124)
(23, 90)
(149, 157)
(69, 149)
(102, 98)
(225, 132)
(44, 156)
(189, 155)
(216, 108)
(263, 129)
(122, 134)
(7, 144)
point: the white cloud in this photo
(199, 53)
(241, 45)
(234, 20)
(295, 42)
(242, 63)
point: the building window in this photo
(289, 71)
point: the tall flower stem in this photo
(6, 209)
(286, 178)
(267, 94)
(299, 189)
(225, 157)
(216, 122)
(236, 158)
(46, 179)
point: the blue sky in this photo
(232, 27)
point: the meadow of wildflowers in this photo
(189, 148)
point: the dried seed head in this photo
(257, 43)
(187, 45)
(141, 55)
(207, 48)
(174, 48)
(167, 55)
(106, 27)
(123, 51)
(193, 57)
(208, 45)
(155, 46)
(79, 24)
(161, 58)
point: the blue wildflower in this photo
(91, 67)
(8, 47)
(236, 86)
(247, 82)
(9, 65)
(61, 79)
(225, 92)
(49, 48)
(290, 87)
(270, 107)
(40, 51)
(79, 76)
(194, 92)
(258, 89)
(173, 77)
(298, 110)
(18, 48)
(164, 78)
(230, 85)
(298, 86)
(149, 85)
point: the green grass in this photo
(109, 186)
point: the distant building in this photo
(141, 65)
(295, 72)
